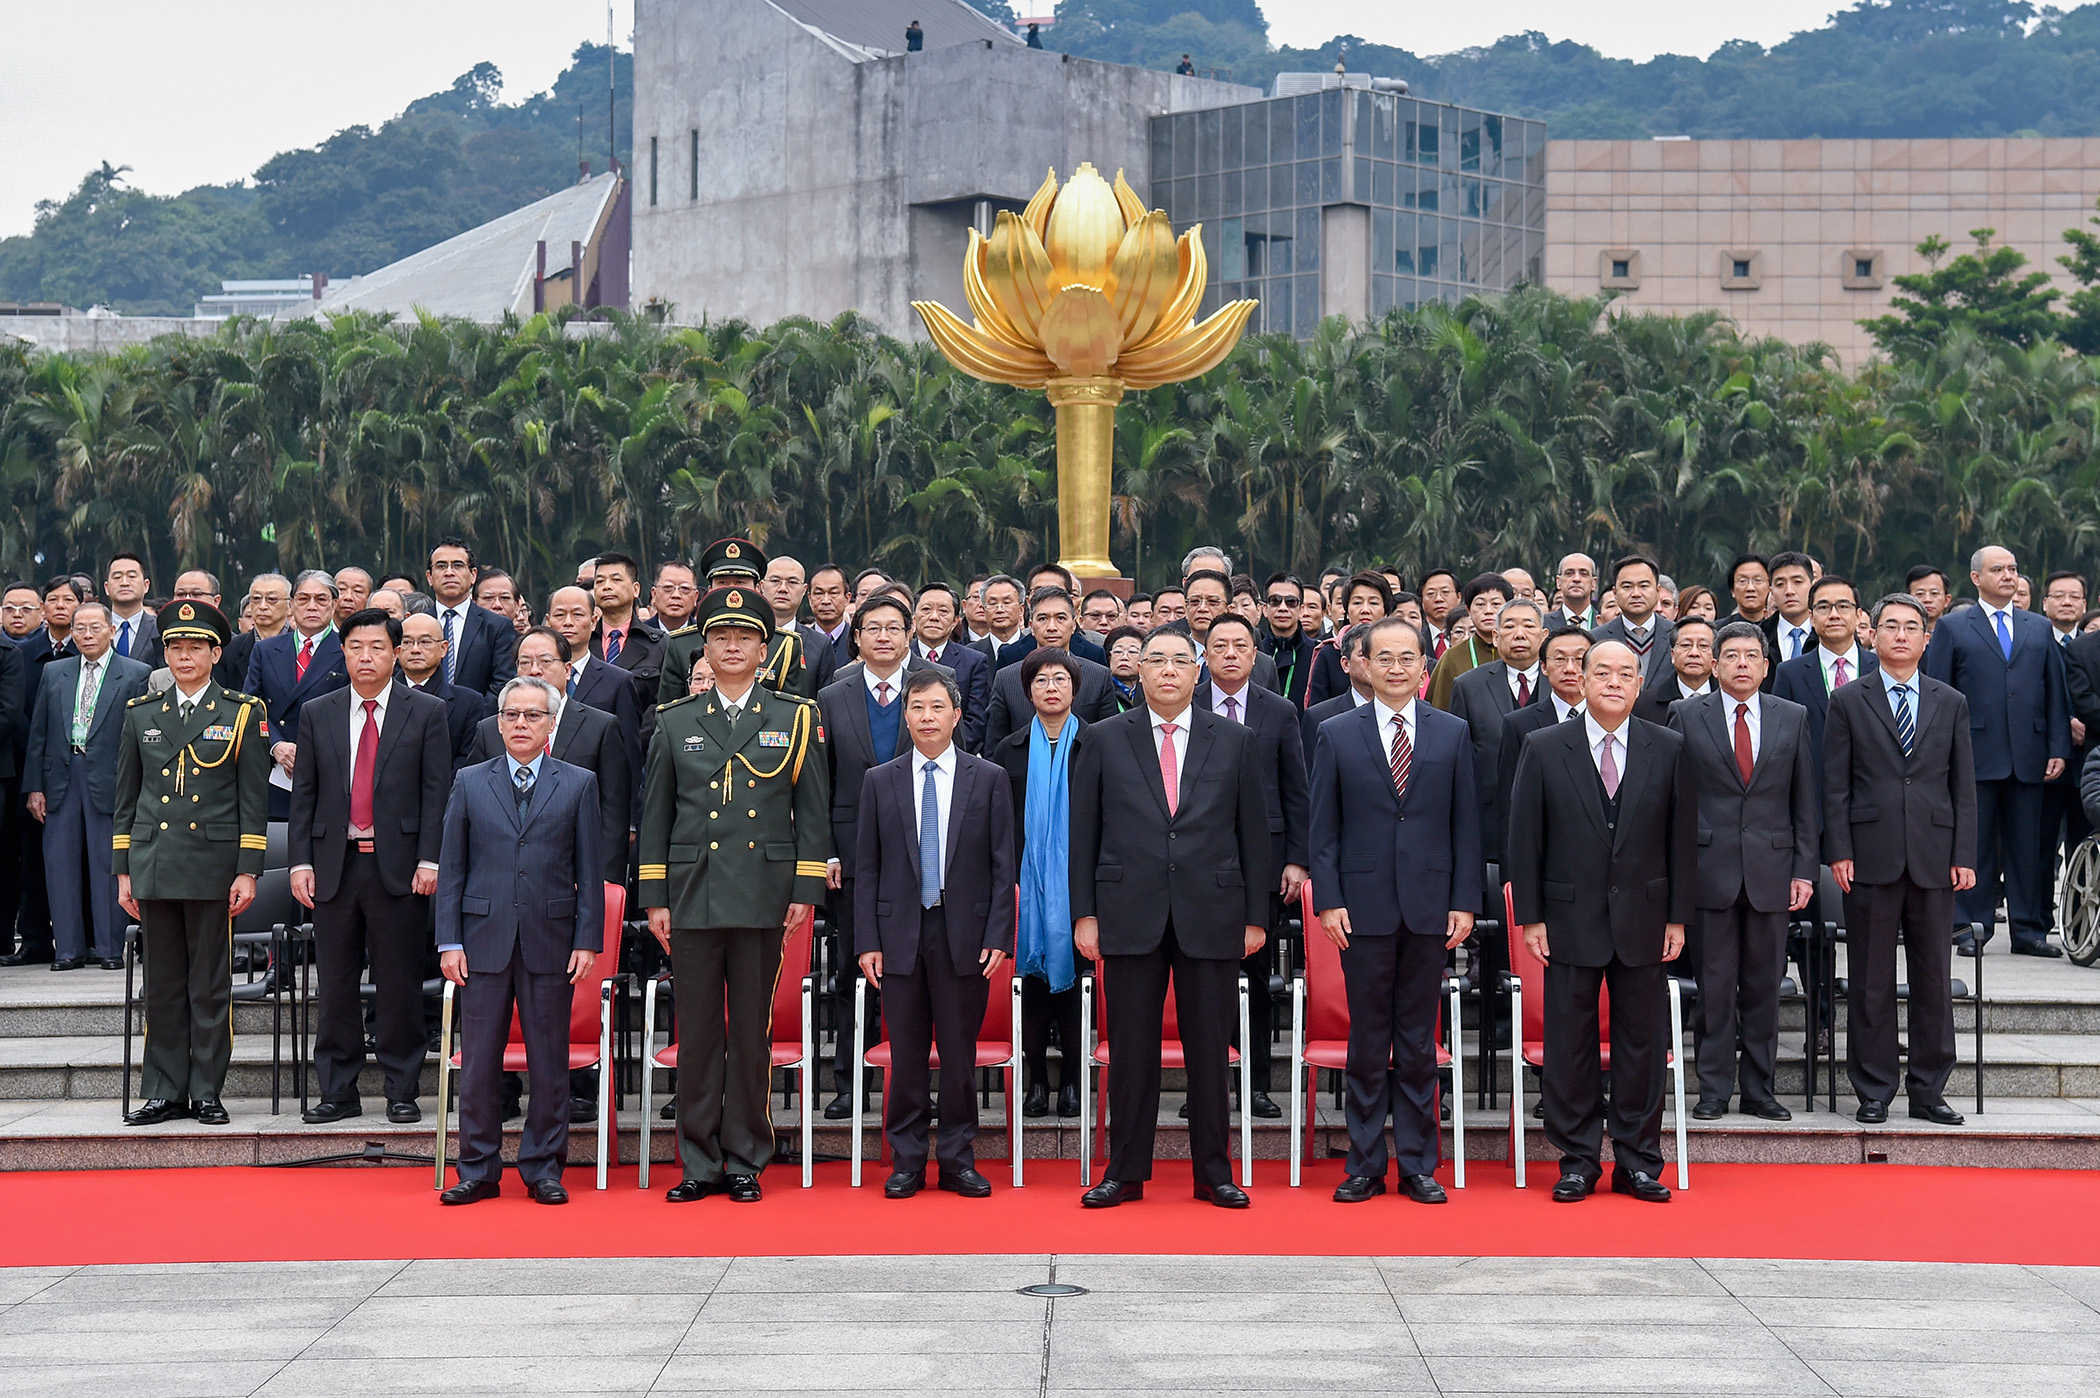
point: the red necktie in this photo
(1523, 690)
(1403, 758)
(882, 693)
(361, 775)
(1169, 766)
(1743, 760)
(1840, 677)
(306, 654)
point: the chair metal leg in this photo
(608, 1087)
(1016, 1124)
(444, 1078)
(860, 1065)
(1516, 1077)
(1246, 1092)
(809, 1082)
(1299, 1125)
(1976, 935)
(649, 1069)
(1086, 1081)
(1684, 1163)
(1458, 1095)
(276, 988)
(131, 957)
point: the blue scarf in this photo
(1045, 950)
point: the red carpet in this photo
(1864, 1212)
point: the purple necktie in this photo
(1608, 769)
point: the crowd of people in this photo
(1036, 767)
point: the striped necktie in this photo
(1906, 725)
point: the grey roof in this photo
(878, 25)
(485, 271)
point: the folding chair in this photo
(590, 1042)
(1320, 1039)
(998, 1046)
(1527, 1013)
(1093, 1022)
(794, 1045)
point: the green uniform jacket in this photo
(193, 799)
(784, 670)
(735, 828)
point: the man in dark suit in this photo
(21, 617)
(1279, 755)
(70, 784)
(1170, 875)
(483, 645)
(863, 716)
(1350, 646)
(619, 638)
(125, 586)
(24, 909)
(1691, 672)
(1759, 832)
(1836, 660)
(934, 879)
(2006, 665)
(1487, 695)
(520, 922)
(1899, 832)
(367, 820)
(423, 666)
(1394, 894)
(287, 670)
(1635, 582)
(268, 606)
(936, 620)
(1209, 594)
(1051, 622)
(1364, 599)
(1006, 637)
(1560, 669)
(589, 680)
(1602, 866)
(1574, 593)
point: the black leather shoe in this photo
(1423, 1189)
(1573, 1189)
(1938, 1113)
(742, 1189)
(209, 1111)
(968, 1183)
(1068, 1100)
(1770, 1111)
(668, 1111)
(582, 1111)
(156, 1111)
(112, 963)
(1184, 1112)
(1640, 1184)
(470, 1192)
(689, 1191)
(25, 958)
(71, 963)
(1037, 1102)
(1264, 1106)
(403, 1113)
(1109, 1193)
(322, 1113)
(1965, 946)
(1709, 1111)
(1359, 1189)
(546, 1192)
(838, 1108)
(1225, 1196)
(1872, 1113)
(903, 1184)
(2029, 949)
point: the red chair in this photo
(590, 1040)
(1527, 1012)
(794, 994)
(998, 1046)
(1094, 1022)
(1320, 1039)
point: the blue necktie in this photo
(930, 841)
(124, 640)
(451, 650)
(2004, 636)
(1798, 633)
(1906, 726)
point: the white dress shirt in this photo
(357, 732)
(1595, 734)
(1562, 708)
(1682, 693)
(1530, 677)
(576, 669)
(1239, 700)
(1828, 659)
(80, 684)
(943, 789)
(1792, 647)
(1385, 716)
(1990, 618)
(734, 707)
(1357, 698)
(458, 614)
(894, 679)
(1754, 717)
(184, 699)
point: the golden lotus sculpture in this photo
(1084, 294)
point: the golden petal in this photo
(1085, 227)
(1080, 332)
(1016, 274)
(1193, 276)
(977, 354)
(1037, 214)
(1126, 198)
(1187, 356)
(1143, 278)
(992, 316)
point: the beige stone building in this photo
(1799, 239)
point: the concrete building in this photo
(1799, 239)
(264, 298)
(792, 160)
(1341, 195)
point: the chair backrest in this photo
(583, 1005)
(999, 1008)
(273, 903)
(787, 989)
(1326, 994)
(1531, 972)
(277, 844)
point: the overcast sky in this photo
(204, 91)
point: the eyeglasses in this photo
(523, 715)
(1832, 608)
(1169, 662)
(885, 630)
(1281, 600)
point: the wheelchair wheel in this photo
(2081, 905)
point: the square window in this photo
(1862, 266)
(1621, 267)
(1741, 266)
(1742, 269)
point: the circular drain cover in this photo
(1052, 1289)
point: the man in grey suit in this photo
(70, 779)
(1899, 834)
(520, 921)
(1636, 583)
(1759, 828)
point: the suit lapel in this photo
(1141, 745)
(856, 717)
(1203, 734)
(957, 803)
(903, 784)
(1639, 760)
(1717, 727)
(105, 698)
(542, 793)
(1374, 748)
(505, 793)
(1577, 758)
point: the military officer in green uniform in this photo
(738, 563)
(193, 777)
(735, 832)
